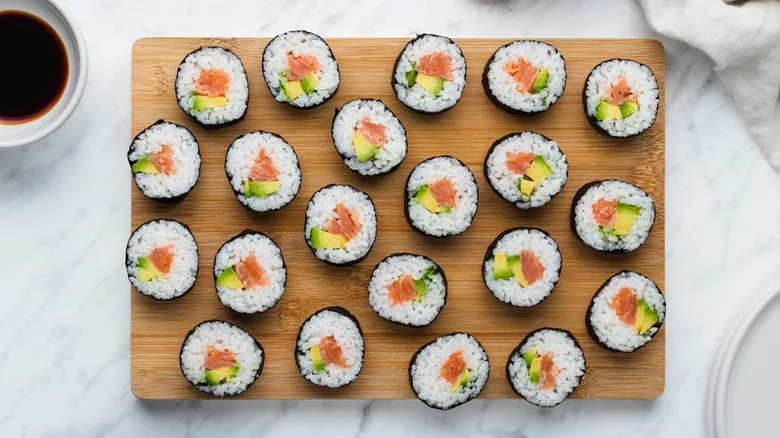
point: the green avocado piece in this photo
(321, 239)
(220, 375)
(606, 110)
(292, 89)
(431, 84)
(260, 189)
(206, 102)
(526, 186)
(144, 166)
(426, 199)
(228, 278)
(411, 76)
(625, 215)
(529, 356)
(517, 270)
(539, 169)
(541, 81)
(310, 83)
(462, 382)
(364, 150)
(627, 108)
(501, 270)
(646, 317)
(316, 359)
(147, 271)
(419, 286)
(536, 367)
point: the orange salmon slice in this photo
(212, 83)
(523, 73)
(533, 270)
(301, 66)
(216, 358)
(162, 258)
(436, 64)
(444, 192)
(604, 212)
(331, 352)
(251, 273)
(346, 223)
(374, 133)
(548, 372)
(163, 160)
(624, 303)
(519, 162)
(453, 367)
(263, 169)
(402, 290)
(619, 92)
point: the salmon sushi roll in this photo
(430, 74)
(612, 216)
(330, 348)
(161, 259)
(263, 171)
(249, 273)
(626, 312)
(621, 98)
(369, 137)
(300, 70)
(340, 226)
(165, 161)
(212, 88)
(547, 367)
(221, 359)
(525, 77)
(526, 169)
(407, 289)
(441, 197)
(522, 266)
(449, 371)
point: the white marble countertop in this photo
(64, 221)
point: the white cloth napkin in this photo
(744, 41)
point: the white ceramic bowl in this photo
(53, 13)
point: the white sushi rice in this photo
(542, 56)
(156, 234)
(588, 229)
(269, 256)
(186, 157)
(460, 217)
(640, 80)
(605, 322)
(509, 290)
(320, 210)
(240, 158)
(216, 58)
(414, 313)
(222, 336)
(417, 97)
(299, 42)
(329, 323)
(504, 180)
(345, 124)
(434, 390)
(565, 354)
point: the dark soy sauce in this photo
(35, 67)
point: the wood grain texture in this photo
(467, 131)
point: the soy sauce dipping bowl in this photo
(53, 13)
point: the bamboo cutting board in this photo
(467, 131)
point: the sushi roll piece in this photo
(449, 371)
(612, 216)
(408, 289)
(430, 73)
(300, 69)
(621, 98)
(369, 137)
(221, 359)
(626, 312)
(212, 88)
(329, 350)
(263, 171)
(547, 367)
(340, 226)
(441, 197)
(249, 273)
(522, 266)
(165, 161)
(162, 259)
(525, 77)
(526, 169)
